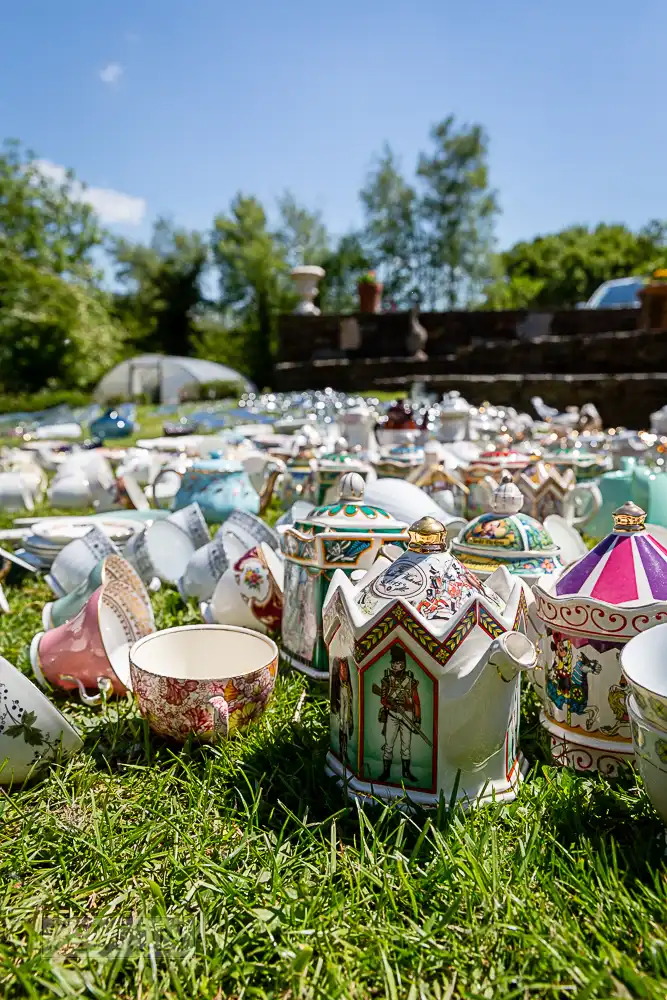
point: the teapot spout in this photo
(510, 653)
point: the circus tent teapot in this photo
(425, 677)
(589, 612)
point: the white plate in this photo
(59, 533)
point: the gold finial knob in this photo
(427, 535)
(629, 518)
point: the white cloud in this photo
(111, 206)
(111, 73)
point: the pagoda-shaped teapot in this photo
(589, 611)
(435, 479)
(346, 535)
(425, 676)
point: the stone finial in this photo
(351, 487)
(629, 519)
(507, 497)
(427, 535)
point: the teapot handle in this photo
(161, 473)
(592, 493)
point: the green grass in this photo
(140, 869)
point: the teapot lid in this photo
(350, 513)
(427, 576)
(628, 566)
(505, 530)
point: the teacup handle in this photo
(220, 716)
(161, 473)
(103, 683)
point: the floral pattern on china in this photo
(507, 537)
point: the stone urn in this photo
(306, 279)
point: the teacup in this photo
(76, 561)
(251, 530)
(112, 567)
(70, 492)
(32, 730)
(90, 652)
(260, 578)
(643, 663)
(207, 566)
(208, 681)
(16, 492)
(650, 747)
(191, 520)
(161, 550)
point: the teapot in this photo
(425, 676)
(219, 486)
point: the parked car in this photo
(620, 293)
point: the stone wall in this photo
(303, 338)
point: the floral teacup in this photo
(209, 681)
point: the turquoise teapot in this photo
(220, 486)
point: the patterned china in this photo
(206, 681)
(589, 612)
(32, 730)
(425, 677)
(649, 744)
(644, 664)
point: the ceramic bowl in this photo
(208, 681)
(32, 730)
(644, 664)
(650, 746)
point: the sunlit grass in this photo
(141, 869)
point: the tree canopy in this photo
(217, 293)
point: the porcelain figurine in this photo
(425, 679)
(345, 535)
(589, 612)
(507, 537)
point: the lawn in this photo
(144, 870)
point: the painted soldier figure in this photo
(341, 704)
(400, 713)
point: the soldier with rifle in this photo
(400, 713)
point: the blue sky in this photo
(179, 104)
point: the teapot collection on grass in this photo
(420, 599)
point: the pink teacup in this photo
(208, 681)
(91, 652)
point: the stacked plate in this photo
(45, 539)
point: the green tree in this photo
(344, 264)
(301, 234)
(457, 210)
(253, 273)
(391, 232)
(565, 268)
(162, 288)
(53, 332)
(44, 221)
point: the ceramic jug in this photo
(425, 677)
